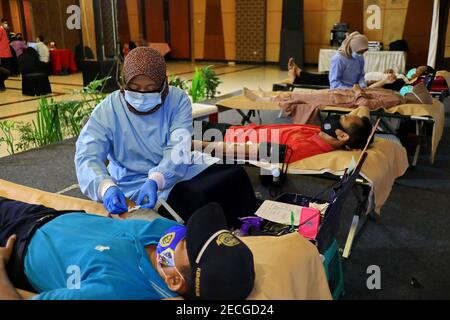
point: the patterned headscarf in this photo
(144, 61)
(355, 42)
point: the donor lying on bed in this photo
(303, 107)
(76, 256)
(348, 132)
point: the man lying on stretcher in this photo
(77, 256)
(337, 132)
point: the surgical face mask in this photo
(356, 55)
(165, 252)
(406, 89)
(144, 101)
(331, 124)
(411, 73)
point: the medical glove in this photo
(114, 201)
(148, 195)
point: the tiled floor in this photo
(16, 107)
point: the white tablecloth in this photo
(375, 60)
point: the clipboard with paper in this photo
(305, 219)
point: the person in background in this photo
(127, 47)
(44, 54)
(18, 44)
(5, 50)
(347, 66)
(4, 74)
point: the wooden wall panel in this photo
(273, 30)
(154, 13)
(134, 20)
(214, 46)
(124, 26)
(179, 17)
(199, 27)
(418, 34)
(229, 28)
(48, 18)
(320, 16)
(353, 14)
(88, 25)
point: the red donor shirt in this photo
(303, 139)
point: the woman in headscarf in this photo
(347, 66)
(145, 131)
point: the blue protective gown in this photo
(346, 72)
(138, 146)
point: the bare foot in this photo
(264, 94)
(293, 70)
(251, 95)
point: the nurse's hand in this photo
(148, 195)
(114, 201)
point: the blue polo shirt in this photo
(85, 257)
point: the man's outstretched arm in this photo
(7, 290)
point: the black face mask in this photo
(331, 124)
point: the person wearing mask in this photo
(347, 66)
(145, 132)
(5, 50)
(120, 259)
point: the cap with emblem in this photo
(222, 265)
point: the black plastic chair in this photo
(34, 83)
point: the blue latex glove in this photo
(148, 195)
(114, 201)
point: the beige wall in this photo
(199, 14)
(319, 18)
(321, 15)
(273, 31)
(229, 28)
(88, 25)
(15, 15)
(134, 19)
(393, 17)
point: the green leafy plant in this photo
(211, 81)
(27, 137)
(55, 121)
(198, 88)
(47, 127)
(7, 128)
(177, 82)
(92, 94)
